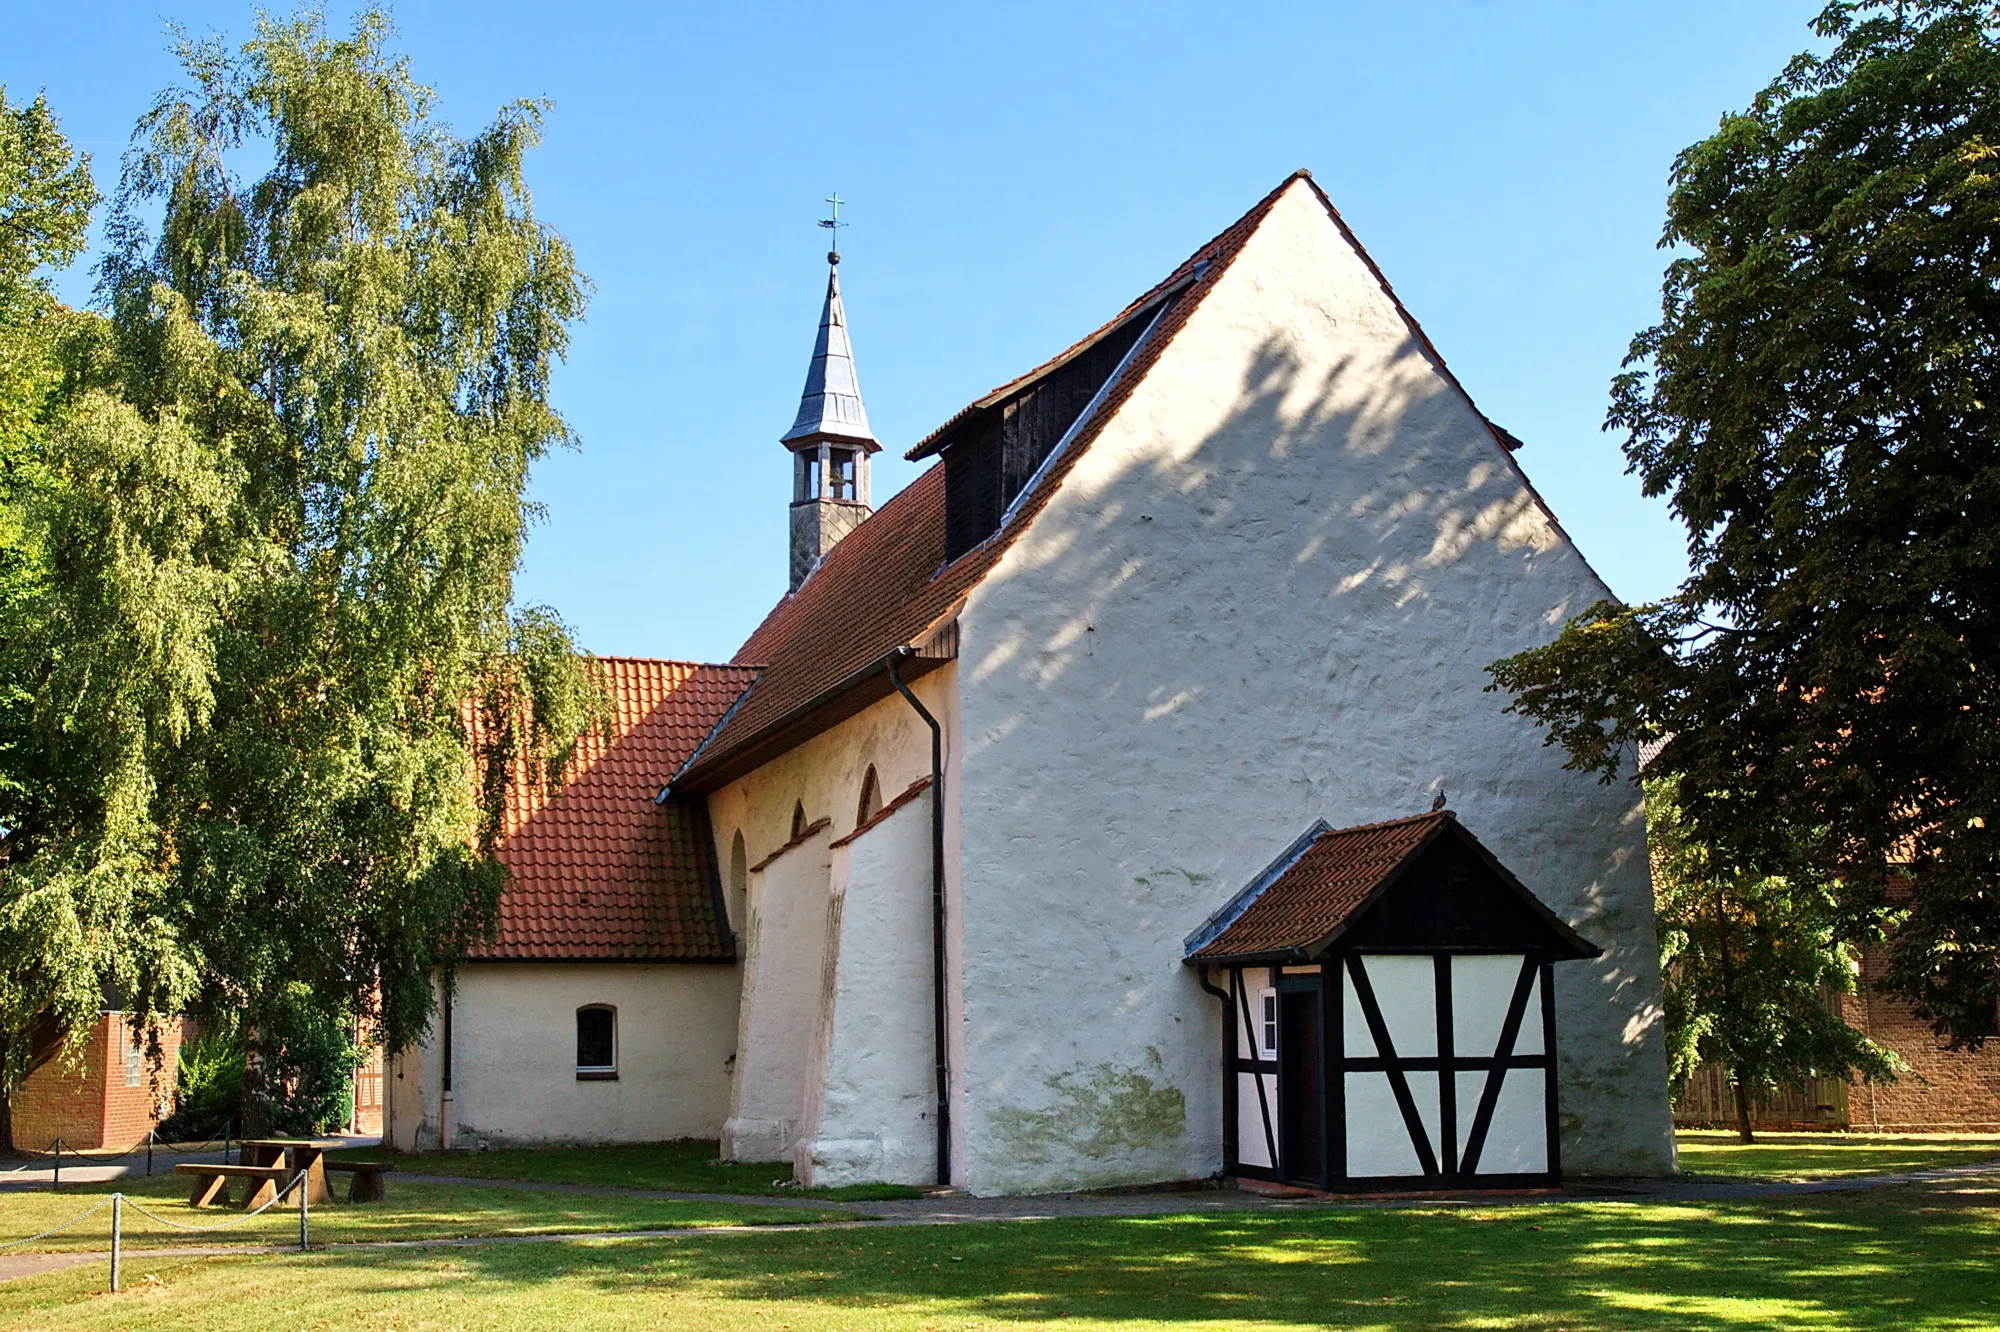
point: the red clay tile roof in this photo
(1322, 889)
(601, 872)
(882, 586)
(1331, 877)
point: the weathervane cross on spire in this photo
(834, 224)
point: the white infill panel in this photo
(1424, 1091)
(1256, 988)
(1251, 1148)
(1406, 990)
(1481, 989)
(1529, 1041)
(1356, 1040)
(1377, 1141)
(1471, 1086)
(1517, 1142)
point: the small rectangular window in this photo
(135, 1066)
(596, 1043)
(1270, 1022)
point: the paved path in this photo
(963, 1211)
(34, 1174)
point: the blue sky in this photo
(1015, 174)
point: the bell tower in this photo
(830, 441)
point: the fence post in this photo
(55, 1182)
(149, 1153)
(303, 1191)
(226, 1126)
(117, 1237)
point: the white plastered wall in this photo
(783, 977)
(1266, 594)
(514, 1057)
(782, 1044)
(871, 1091)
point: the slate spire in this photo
(830, 441)
(831, 404)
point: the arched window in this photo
(871, 797)
(798, 820)
(596, 1043)
(738, 888)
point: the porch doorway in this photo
(1301, 1088)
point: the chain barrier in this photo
(118, 1202)
(134, 1204)
(58, 1149)
(15, 1244)
(136, 1150)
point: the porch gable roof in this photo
(1314, 896)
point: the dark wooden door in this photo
(1301, 1108)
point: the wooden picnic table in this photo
(296, 1154)
(211, 1183)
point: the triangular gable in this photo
(890, 584)
(1417, 884)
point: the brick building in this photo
(1942, 1090)
(111, 1096)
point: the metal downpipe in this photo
(937, 914)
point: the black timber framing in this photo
(1258, 1068)
(1441, 1166)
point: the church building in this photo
(1120, 802)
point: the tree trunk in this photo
(1742, 1113)
(253, 1119)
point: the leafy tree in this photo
(208, 1088)
(1749, 962)
(1818, 402)
(46, 196)
(287, 508)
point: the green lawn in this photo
(687, 1167)
(1905, 1258)
(414, 1210)
(1830, 1155)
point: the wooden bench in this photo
(366, 1186)
(211, 1182)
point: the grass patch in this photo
(681, 1167)
(1913, 1258)
(1805, 1156)
(414, 1210)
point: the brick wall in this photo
(1942, 1089)
(131, 1112)
(87, 1103)
(63, 1099)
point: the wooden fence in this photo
(1706, 1100)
